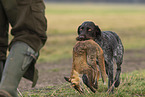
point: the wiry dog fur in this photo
(110, 43)
(84, 62)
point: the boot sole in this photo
(4, 94)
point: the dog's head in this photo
(88, 30)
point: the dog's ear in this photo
(79, 29)
(67, 79)
(98, 31)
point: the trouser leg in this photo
(1, 69)
(3, 38)
(16, 65)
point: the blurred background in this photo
(125, 17)
(102, 1)
(63, 16)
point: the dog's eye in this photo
(81, 28)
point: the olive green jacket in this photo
(29, 25)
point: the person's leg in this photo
(28, 26)
(16, 65)
(1, 68)
(3, 38)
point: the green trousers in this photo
(1, 69)
(29, 25)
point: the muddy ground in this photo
(51, 74)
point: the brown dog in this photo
(84, 62)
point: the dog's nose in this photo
(82, 37)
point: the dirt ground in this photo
(51, 74)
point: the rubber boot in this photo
(16, 65)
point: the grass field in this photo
(63, 19)
(132, 85)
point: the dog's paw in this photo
(117, 83)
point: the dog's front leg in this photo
(109, 68)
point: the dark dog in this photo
(110, 43)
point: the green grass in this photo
(63, 20)
(132, 85)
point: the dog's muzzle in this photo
(83, 38)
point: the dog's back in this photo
(112, 42)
